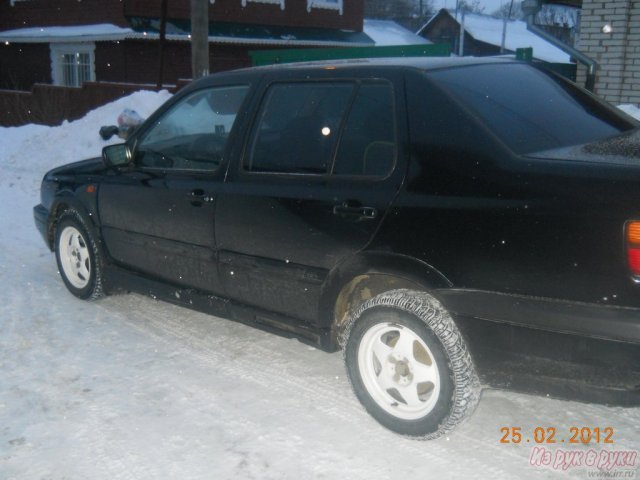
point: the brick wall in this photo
(617, 52)
(136, 61)
(41, 13)
(23, 64)
(295, 13)
(121, 68)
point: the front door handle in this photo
(348, 209)
(198, 197)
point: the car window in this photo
(528, 109)
(297, 127)
(368, 141)
(193, 134)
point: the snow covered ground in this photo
(132, 388)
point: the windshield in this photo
(528, 109)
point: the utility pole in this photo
(163, 31)
(461, 43)
(504, 28)
(199, 38)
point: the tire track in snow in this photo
(112, 454)
(161, 322)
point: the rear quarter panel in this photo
(490, 220)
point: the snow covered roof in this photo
(220, 32)
(489, 30)
(387, 33)
(78, 33)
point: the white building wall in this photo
(617, 52)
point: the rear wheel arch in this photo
(368, 275)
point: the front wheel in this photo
(78, 256)
(408, 364)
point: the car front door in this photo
(319, 171)
(157, 216)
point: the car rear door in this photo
(322, 163)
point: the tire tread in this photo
(428, 309)
(74, 216)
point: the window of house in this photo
(277, 2)
(72, 64)
(192, 135)
(297, 127)
(329, 4)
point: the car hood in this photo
(83, 167)
(620, 150)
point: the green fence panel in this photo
(269, 57)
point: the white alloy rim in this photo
(399, 371)
(74, 257)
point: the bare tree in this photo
(199, 38)
(510, 11)
(469, 6)
(383, 9)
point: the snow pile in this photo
(75, 32)
(38, 148)
(630, 109)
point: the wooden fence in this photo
(52, 104)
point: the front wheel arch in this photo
(71, 223)
(62, 204)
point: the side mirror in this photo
(116, 155)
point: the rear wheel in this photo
(408, 364)
(78, 256)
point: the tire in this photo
(409, 365)
(78, 256)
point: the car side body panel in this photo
(516, 247)
(279, 235)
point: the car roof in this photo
(420, 63)
(410, 63)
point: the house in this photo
(483, 36)
(67, 42)
(611, 37)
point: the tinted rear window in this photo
(298, 127)
(528, 109)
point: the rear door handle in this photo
(349, 209)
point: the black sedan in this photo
(448, 223)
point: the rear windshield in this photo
(528, 109)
